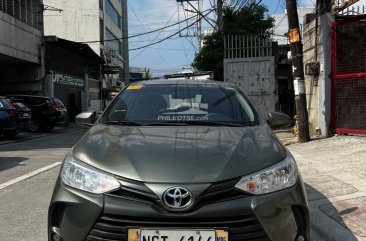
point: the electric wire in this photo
(170, 19)
(278, 6)
(138, 19)
(140, 34)
(188, 31)
(167, 36)
(181, 40)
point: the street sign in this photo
(110, 69)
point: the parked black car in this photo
(63, 114)
(44, 110)
(24, 115)
(8, 118)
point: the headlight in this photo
(277, 177)
(81, 176)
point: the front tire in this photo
(35, 126)
(49, 128)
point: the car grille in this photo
(216, 192)
(220, 191)
(115, 228)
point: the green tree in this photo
(251, 19)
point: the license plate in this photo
(25, 114)
(177, 235)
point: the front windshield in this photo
(180, 104)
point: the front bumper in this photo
(280, 216)
(9, 130)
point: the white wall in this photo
(78, 21)
(95, 105)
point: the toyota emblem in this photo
(178, 198)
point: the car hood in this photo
(183, 154)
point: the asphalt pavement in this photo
(29, 167)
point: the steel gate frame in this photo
(339, 77)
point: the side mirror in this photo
(278, 120)
(86, 118)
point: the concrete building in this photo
(95, 22)
(73, 75)
(138, 74)
(21, 49)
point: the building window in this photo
(26, 11)
(112, 13)
(17, 9)
(115, 44)
(9, 7)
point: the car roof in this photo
(183, 82)
(31, 96)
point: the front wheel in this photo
(49, 128)
(35, 125)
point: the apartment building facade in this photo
(21, 47)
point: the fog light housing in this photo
(300, 238)
(56, 234)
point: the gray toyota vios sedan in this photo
(179, 160)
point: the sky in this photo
(176, 53)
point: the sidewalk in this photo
(334, 171)
(286, 137)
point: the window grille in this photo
(29, 12)
(26, 11)
(35, 9)
(10, 7)
(23, 11)
(17, 9)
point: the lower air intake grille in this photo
(114, 228)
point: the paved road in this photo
(24, 203)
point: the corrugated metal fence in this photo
(238, 46)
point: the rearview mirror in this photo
(278, 120)
(86, 118)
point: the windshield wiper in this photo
(122, 123)
(172, 123)
(213, 123)
(207, 123)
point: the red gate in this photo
(349, 75)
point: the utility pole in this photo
(219, 14)
(126, 62)
(298, 71)
(199, 27)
